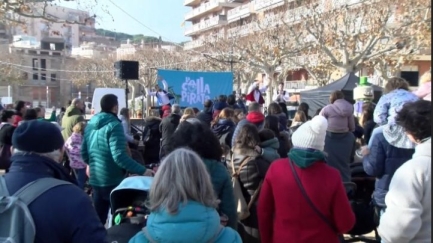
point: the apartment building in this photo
(222, 18)
(43, 82)
(92, 50)
(79, 24)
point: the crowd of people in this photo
(292, 175)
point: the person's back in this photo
(65, 213)
(71, 117)
(167, 127)
(340, 116)
(288, 217)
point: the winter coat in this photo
(340, 116)
(391, 103)
(205, 116)
(62, 214)
(242, 106)
(167, 127)
(424, 91)
(282, 119)
(104, 150)
(72, 116)
(387, 153)
(126, 129)
(73, 146)
(152, 146)
(340, 148)
(222, 186)
(250, 177)
(270, 149)
(17, 118)
(194, 222)
(224, 131)
(284, 142)
(368, 130)
(52, 118)
(6, 132)
(407, 217)
(287, 217)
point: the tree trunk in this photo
(270, 91)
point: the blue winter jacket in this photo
(193, 223)
(104, 150)
(382, 162)
(63, 214)
(391, 103)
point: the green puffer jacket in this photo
(72, 116)
(222, 184)
(104, 150)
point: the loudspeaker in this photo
(126, 70)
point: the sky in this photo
(165, 17)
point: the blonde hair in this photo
(181, 177)
(300, 117)
(79, 127)
(226, 113)
(426, 77)
(187, 113)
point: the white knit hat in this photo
(311, 134)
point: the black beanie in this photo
(38, 137)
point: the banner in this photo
(191, 89)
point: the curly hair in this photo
(199, 138)
(415, 118)
(274, 109)
(396, 83)
(248, 137)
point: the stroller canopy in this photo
(129, 190)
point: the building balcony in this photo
(208, 7)
(191, 3)
(193, 44)
(262, 5)
(242, 11)
(206, 24)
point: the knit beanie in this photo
(38, 137)
(311, 134)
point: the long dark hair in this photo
(248, 137)
(367, 113)
(272, 123)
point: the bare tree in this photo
(347, 36)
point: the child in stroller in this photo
(129, 213)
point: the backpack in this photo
(15, 218)
(243, 209)
(169, 95)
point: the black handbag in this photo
(307, 198)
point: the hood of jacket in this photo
(396, 136)
(423, 149)
(102, 119)
(72, 111)
(304, 158)
(271, 143)
(223, 126)
(342, 107)
(193, 222)
(255, 117)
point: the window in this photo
(35, 63)
(52, 46)
(53, 77)
(43, 64)
(43, 76)
(35, 76)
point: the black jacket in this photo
(167, 127)
(6, 131)
(368, 130)
(152, 137)
(285, 145)
(205, 116)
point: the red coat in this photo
(286, 217)
(250, 97)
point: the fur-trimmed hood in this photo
(152, 119)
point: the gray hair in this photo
(181, 177)
(175, 109)
(55, 155)
(254, 106)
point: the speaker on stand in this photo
(126, 70)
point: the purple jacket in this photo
(391, 103)
(340, 116)
(73, 146)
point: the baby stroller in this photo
(362, 206)
(128, 211)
